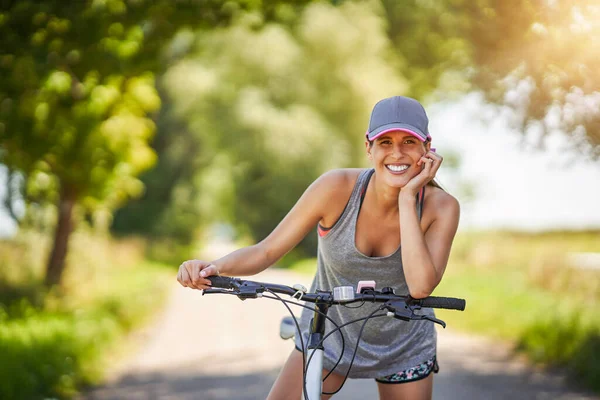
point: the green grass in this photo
(307, 266)
(551, 329)
(54, 344)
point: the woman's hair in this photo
(431, 182)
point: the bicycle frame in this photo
(314, 385)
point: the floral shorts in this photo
(421, 371)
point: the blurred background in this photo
(136, 134)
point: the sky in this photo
(516, 186)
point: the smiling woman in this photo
(374, 224)
(400, 125)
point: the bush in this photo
(571, 343)
(521, 287)
(49, 355)
(54, 343)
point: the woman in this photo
(364, 217)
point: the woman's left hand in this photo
(431, 162)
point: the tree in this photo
(430, 43)
(540, 58)
(270, 106)
(77, 95)
(320, 69)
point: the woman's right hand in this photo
(193, 274)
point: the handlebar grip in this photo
(449, 303)
(223, 282)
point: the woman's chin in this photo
(397, 182)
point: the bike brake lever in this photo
(241, 294)
(405, 312)
(400, 310)
(211, 291)
(249, 291)
(433, 319)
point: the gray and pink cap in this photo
(398, 113)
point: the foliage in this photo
(75, 100)
(570, 342)
(46, 355)
(77, 94)
(53, 343)
(540, 58)
(267, 107)
(500, 275)
(434, 53)
(307, 266)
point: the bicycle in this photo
(396, 306)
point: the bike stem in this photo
(317, 325)
(314, 384)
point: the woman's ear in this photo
(427, 145)
(368, 147)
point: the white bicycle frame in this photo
(314, 383)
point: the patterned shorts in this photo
(421, 371)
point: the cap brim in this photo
(397, 127)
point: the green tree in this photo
(541, 58)
(320, 70)
(430, 43)
(271, 106)
(77, 95)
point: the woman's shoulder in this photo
(443, 202)
(335, 188)
(339, 181)
(342, 175)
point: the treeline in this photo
(225, 111)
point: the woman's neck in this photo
(385, 197)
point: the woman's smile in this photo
(397, 169)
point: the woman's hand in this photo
(193, 274)
(431, 162)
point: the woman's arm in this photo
(425, 255)
(312, 206)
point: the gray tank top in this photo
(387, 345)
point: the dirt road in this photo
(218, 348)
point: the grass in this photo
(53, 344)
(522, 288)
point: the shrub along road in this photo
(218, 347)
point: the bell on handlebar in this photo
(343, 293)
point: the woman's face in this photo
(395, 155)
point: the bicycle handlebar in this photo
(222, 282)
(249, 289)
(397, 306)
(449, 303)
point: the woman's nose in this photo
(398, 149)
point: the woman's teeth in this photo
(397, 168)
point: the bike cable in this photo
(358, 306)
(366, 319)
(337, 328)
(305, 363)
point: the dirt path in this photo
(217, 348)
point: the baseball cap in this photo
(398, 113)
